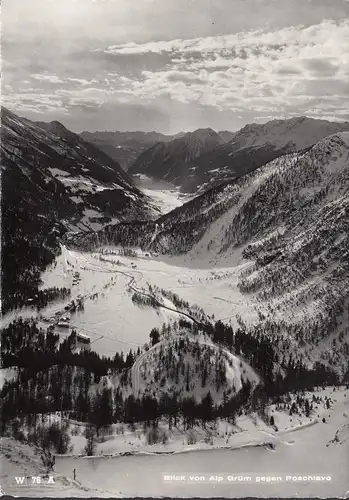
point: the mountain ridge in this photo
(125, 147)
(168, 160)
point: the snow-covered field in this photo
(167, 199)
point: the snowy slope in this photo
(55, 160)
(293, 134)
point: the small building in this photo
(82, 341)
(63, 324)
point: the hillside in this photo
(290, 220)
(169, 160)
(192, 365)
(54, 182)
(125, 147)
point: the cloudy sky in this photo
(171, 65)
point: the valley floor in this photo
(166, 200)
(113, 322)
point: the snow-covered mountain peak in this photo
(296, 133)
(331, 147)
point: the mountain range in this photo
(202, 159)
(234, 305)
(125, 147)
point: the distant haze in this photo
(173, 65)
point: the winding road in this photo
(135, 370)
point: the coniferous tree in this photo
(90, 434)
(206, 408)
(154, 336)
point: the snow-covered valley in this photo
(111, 319)
(164, 196)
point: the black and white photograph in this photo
(174, 249)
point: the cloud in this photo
(122, 20)
(242, 44)
(210, 66)
(48, 78)
(260, 70)
(321, 67)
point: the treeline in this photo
(24, 258)
(175, 408)
(54, 377)
(172, 234)
(31, 230)
(63, 387)
(256, 349)
(126, 234)
(103, 409)
(267, 352)
(186, 364)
